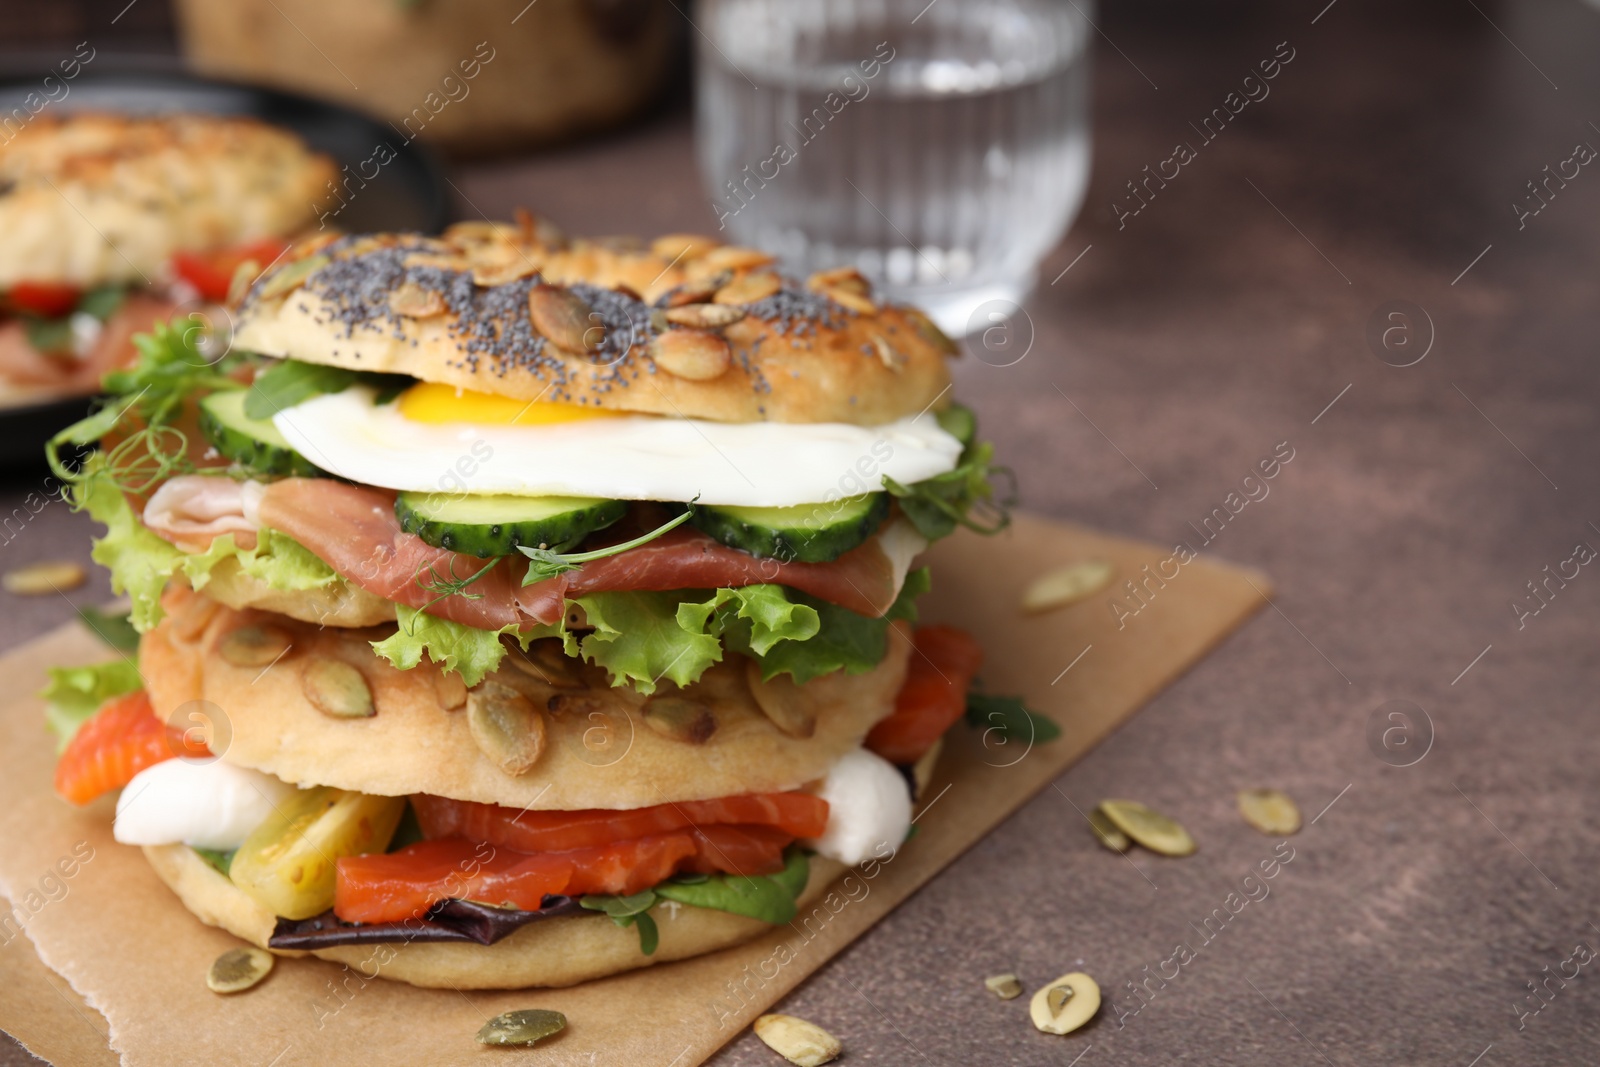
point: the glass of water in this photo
(941, 148)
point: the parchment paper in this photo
(124, 963)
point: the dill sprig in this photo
(547, 562)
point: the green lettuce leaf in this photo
(769, 897)
(140, 562)
(638, 639)
(468, 651)
(844, 640)
(278, 560)
(75, 693)
(766, 610)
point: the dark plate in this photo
(409, 193)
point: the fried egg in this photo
(438, 438)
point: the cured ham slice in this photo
(193, 509)
(862, 580)
(353, 528)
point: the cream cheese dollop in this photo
(869, 809)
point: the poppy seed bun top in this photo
(94, 199)
(685, 327)
(597, 746)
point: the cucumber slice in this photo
(253, 443)
(805, 533)
(486, 526)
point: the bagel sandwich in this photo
(110, 222)
(522, 609)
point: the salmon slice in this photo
(116, 743)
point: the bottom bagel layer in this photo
(557, 952)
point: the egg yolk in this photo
(435, 403)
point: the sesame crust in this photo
(521, 312)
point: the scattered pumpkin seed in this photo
(732, 257)
(522, 1027)
(41, 579)
(1066, 585)
(704, 316)
(845, 298)
(800, 1042)
(415, 302)
(450, 689)
(1065, 1004)
(291, 276)
(693, 355)
(255, 646)
(698, 290)
(546, 661)
(1004, 986)
(506, 726)
(780, 700)
(489, 275)
(847, 279)
(748, 288)
(244, 276)
(681, 719)
(678, 247)
(1106, 832)
(562, 316)
(887, 355)
(335, 688)
(1270, 811)
(238, 969)
(1148, 827)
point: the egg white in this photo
(625, 457)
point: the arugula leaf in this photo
(222, 862)
(1010, 718)
(114, 629)
(75, 693)
(629, 911)
(937, 505)
(286, 383)
(768, 897)
(959, 422)
(649, 933)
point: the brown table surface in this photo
(1226, 317)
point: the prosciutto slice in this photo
(353, 528)
(862, 580)
(193, 509)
